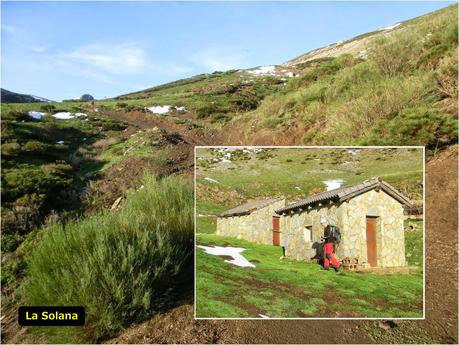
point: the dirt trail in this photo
(440, 325)
(192, 136)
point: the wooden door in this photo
(276, 231)
(371, 241)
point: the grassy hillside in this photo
(288, 288)
(42, 165)
(225, 178)
(393, 86)
(403, 90)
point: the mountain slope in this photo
(13, 97)
(403, 90)
(377, 88)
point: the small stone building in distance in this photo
(251, 221)
(369, 214)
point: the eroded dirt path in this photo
(192, 136)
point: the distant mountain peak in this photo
(14, 97)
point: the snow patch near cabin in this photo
(333, 184)
(235, 253)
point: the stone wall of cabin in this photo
(390, 235)
(292, 227)
(255, 227)
(350, 217)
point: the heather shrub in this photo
(117, 265)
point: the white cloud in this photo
(119, 59)
(220, 59)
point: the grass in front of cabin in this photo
(288, 288)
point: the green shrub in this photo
(446, 77)
(324, 69)
(11, 149)
(47, 108)
(432, 57)
(16, 115)
(220, 117)
(35, 146)
(396, 55)
(58, 168)
(9, 243)
(22, 216)
(13, 272)
(450, 33)
(415, 126)
(245, 101)
(207, 109)
(115, 265)
(26, 180)
(271, 122)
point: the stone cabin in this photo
(251, 221)
(369, 214)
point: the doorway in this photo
(371, 223)
(276, 231)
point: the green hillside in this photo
(296, 173)
(401, 90)
(93, 174)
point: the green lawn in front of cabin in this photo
(288, 288)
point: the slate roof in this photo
(249, 207)
(348, 192)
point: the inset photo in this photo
(309, 232)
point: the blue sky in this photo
(61, 50)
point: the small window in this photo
(307, 233)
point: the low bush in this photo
(11, 149)
(415, 126)
(207, 109)
(36, 147)
(21, 217)
(115, 265)
(16, 115)
(47, 108)
(396, 55)
(58, 168)
(245, 101)
(26, 180)
(9, 243)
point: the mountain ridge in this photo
(8, 96)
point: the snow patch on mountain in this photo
(391, 27)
